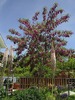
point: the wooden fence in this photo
(42, 82)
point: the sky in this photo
(12, 10)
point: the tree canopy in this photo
(38, 36)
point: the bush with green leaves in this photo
(32, 93)
(72, 97)
(2, 93)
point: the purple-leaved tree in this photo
(38, 37)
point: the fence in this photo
(23, 83)
(42, 82)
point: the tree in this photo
(1, 56)
(67, 66)
(38, 37)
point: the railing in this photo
(42, 82)
(23, 83)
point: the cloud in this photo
(2, 3)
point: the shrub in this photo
(2, 93)
(32, 93)
(49, 96)
(71, 97)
